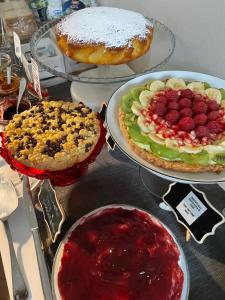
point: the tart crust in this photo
(162, 163)
(53, 135)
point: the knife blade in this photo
(4, 295)
(32, 220)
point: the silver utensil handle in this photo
(46, 286)
(20, 291)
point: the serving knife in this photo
(32, 220)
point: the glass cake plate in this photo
(44, 50)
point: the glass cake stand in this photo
(94, 84)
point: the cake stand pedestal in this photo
(95, 94)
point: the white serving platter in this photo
(114, 129)
(57, 260)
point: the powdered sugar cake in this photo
(104, 35)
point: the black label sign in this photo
(53, 213)
(109, 140)
(102, 112)
(193, 210)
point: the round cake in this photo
(104, 35)
(176, 124)
(119, 254)
(53, 135)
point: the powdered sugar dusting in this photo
(113, 27)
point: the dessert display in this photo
(176, 124)
(104, 35)
(53, 135)
(119, 253)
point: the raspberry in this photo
(172, 95)
(212, 105)
(198, 98)
(202, 131)
(187, 93)
(213, 115)
(199, 107)
(162, 99)
(185, 102)
(173, 105)
(214, 127)
(160, 109)
(200, 119)
(186, 112)
(186, 124)
(172, 116)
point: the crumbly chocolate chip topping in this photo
(53, 135)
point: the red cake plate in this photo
(57, 178)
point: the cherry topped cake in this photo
(53, 135)
(176, 124)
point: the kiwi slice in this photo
(219, 158)
(135, 134)
(222, 91)
(206, 85)
(129, 119)
(164, 152)
(135, 92)
(126, 103)
(201, 158)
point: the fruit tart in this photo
(176, 124)
(53, 135)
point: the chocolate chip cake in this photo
(53, 135)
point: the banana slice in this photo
(190, 149)
(176, 83)
(214, 94)
(151, 127)
(141, 124)
(171, 143)
(157, 85)
(196, 86)
(145, 97)
(156, 139)
(213, 149)
(222, 103)
(136, 108)
(143, 146)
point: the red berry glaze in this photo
(185, 102)
(173, 105)
(200, 119)
(202, 131)
(186, 124)
(159, 109)
(199, 107)
(214, 127)
(186, 112)
(213, 115)
(172, 117)
(172, 95)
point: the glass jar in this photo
(8, 108)
(5, 61)
(8, 89)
